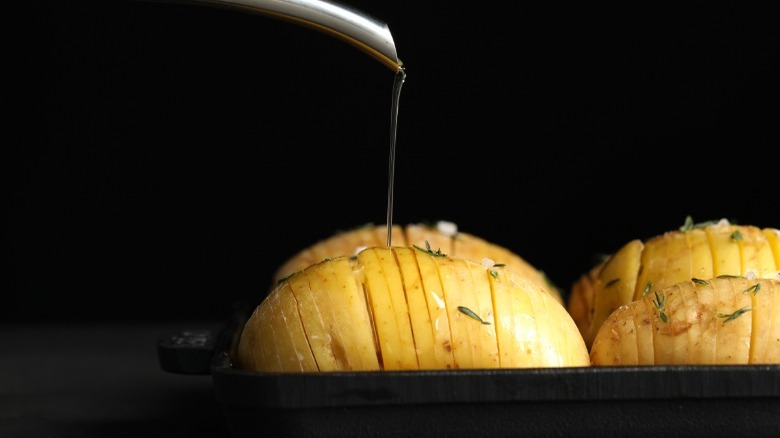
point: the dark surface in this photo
(101, 380)
(170, 157)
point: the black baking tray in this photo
(652, 401)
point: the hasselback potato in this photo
(442, 235)
(724, 320)
(408, 308)
(705, 250)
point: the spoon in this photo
(338, 20)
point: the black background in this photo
(171, 156)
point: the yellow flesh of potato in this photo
(727, 320)
(462, 245)
(401, 308)
(703, 252)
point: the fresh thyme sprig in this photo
(493, 272)
(659, 304)
(732, 316)
(470, 313)
(690, 224)
(647, 288)
(429, 251)
(755, 288)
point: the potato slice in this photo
(351, 320)
(551, 335)
(524, 316)
(418, 308)
(757, 260)
(652, 264)
(621, 330)
(670, 343)
(725, 249)
(643, 323)
(299, 357)
(396, 342)
(773, 237)
(578, 303)
(615, 284)
(487, 331)
(437, 309)
(267, 359)
(765, 335)
(395, 286)
(456, 284)
(733, 341)
(701, 254)
(703, 332)
(315, 316)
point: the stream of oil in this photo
(400, 77)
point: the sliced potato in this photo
(724, 320)
(422, 329)
(443, 237)
(437, 309)
(695, 251)
(615, 284)
(421, 309)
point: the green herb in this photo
(734, 315)
(736, 236)
(647, 288)
(700, 281)
(612, 282)
(659, 304)
(470, 313)
(755, 288)
(690, 224)
(728, 276)
(499, 265)
(428, 250)
(494, 274)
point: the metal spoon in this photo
(346, 23)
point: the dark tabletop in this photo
(100, 380)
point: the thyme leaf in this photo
(700, 281)
(494, 274)
(737, 236)
(690, 224)
(732, 316)
(429, 251)
(648, 286)
(728, 276)
(470, 313)
(755, 288)
(659, 302)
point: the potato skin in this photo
(408, 309)
(723, 320)
(703, 251)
